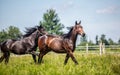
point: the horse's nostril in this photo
(83, 34)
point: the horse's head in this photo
(79, 29)
(41, 30)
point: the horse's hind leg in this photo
(2, 58)
(7, 56)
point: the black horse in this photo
(60, 44)
(26, 45)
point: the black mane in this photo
(29, 31)
(68, 34)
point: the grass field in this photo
(89, 64)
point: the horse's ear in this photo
(79, 22)
(75, 22)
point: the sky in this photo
(97, 16)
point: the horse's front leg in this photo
(40, 58)
(66, 59)
(33, 52)
(41, 54)
(73, 58)
(34, 57)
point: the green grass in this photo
(89, 64)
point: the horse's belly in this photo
(19, 52)
(57, 47)
(59, 51)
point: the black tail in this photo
(2, 56)
(0, 47)
(2, 44)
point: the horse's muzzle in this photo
(83, 35)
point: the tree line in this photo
(50, 21)
(11, 32)
(52, 24)
(102, 38)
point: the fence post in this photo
(100, 46)
(87, 48)
(103, 48)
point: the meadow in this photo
(89, 64)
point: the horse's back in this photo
(54, 43)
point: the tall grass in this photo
(89, 64)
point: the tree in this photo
(103, 39)
(83, 41)
(51, 22)
(110, 41)
(119, 42)
(90, 43)
(97, 42)
(3, 35)
(11, 32)
(14, 32)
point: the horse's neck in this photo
(35, 36)
(73, 37)
(32, 37)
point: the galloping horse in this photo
(60, 44)
(25, 45)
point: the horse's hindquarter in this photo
(18, 48)
(21, 46)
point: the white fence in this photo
(101, 48)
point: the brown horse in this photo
(60, 44)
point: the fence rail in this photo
(101, 48)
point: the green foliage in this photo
(119, 41)
(51, 22)
(90, 43)
(103, 39)
(96, 39)
(14, 32)
(84, 41)
(10, 33)
(89, 64)
(106, 41)
(3, 35)
(110, 41)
